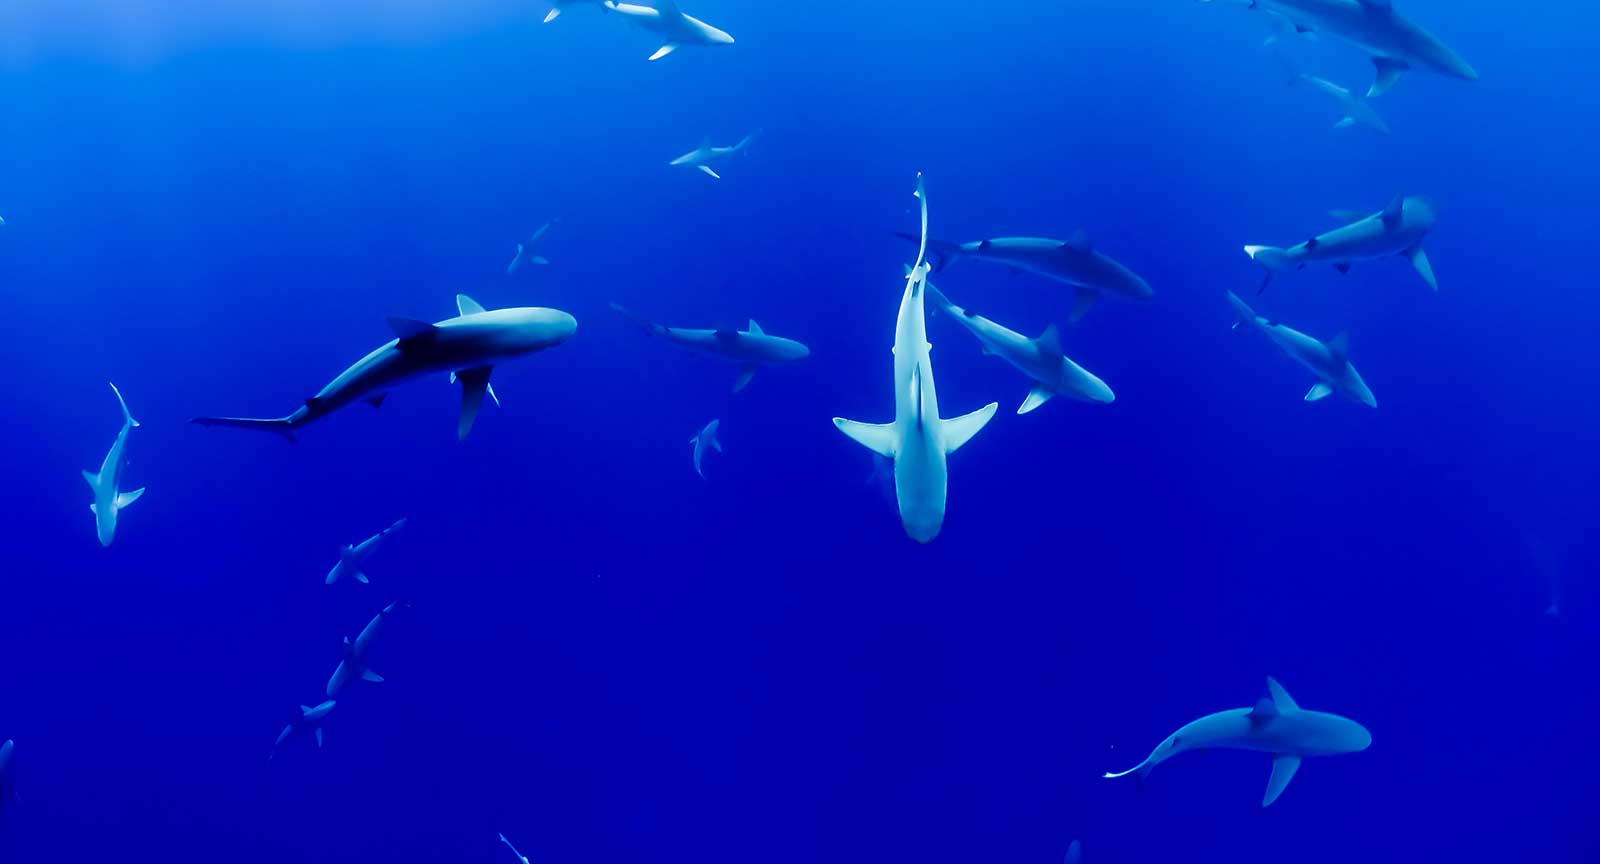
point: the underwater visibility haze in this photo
(575, 563)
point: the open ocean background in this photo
(215, 205)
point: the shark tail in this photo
(127, 416)
(1140, 771)
(745, 141)
(942, 252)
(638, 319)
(282, 425)
(1274, 259)
(1245, 314)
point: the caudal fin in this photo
(1245, 314)
(281, 425)
(638, 319)
(127, 417)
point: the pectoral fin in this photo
(1082, 303)
(1388, 73)
(1039, 395)
(961, 429)
(474, 383)
(877, 437)
(746, 372)
(1283, 768)
(1318, 392)
(706, 169)
(1419, 260)
(127, 498)
(664, 50)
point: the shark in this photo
(666, 20)
(750, 348)
(520, 857)
(560, 6)
(352, 557)
(8, 791)
(1396, 230)
(310, 719)
(1040, 359)
(526, 253)
(918, 440)
(701, 156)
(1358, 110)
(1074, 854)
(1275, 725)
(468, 346)
(354, 664)
(1074, 261)
(1329, 361)
(705, 440)
(1394, 43)
(109, 499)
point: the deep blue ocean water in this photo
(216, 206)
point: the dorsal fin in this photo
(1384, 6)
(1078, 241)
(1050, 340)
(1280, 697)
(1393, 213)
(409, 329)
(1263, 711)
(755, 329)
(468, 306)
(668, 9)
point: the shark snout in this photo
(719, 37)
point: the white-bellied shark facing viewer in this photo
(1329, 361)
(1397, 229)
(668, 21)
(750, 348)
(354, 665)
(1392, 41)
(468, 346)
(704, 441)
(352, 557)
(1276, 725)
(1040, 359)
(701, 157)
(917, 439)
(109, 499)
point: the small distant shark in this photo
(1398, 229)
(468, 346)
(1358, 111)
(520, 857)
(1276, 725)
(354, 664)
(352, 557)
(1040, 359)
(749, 348)
(704, 440)
(109, 499)
(700, 156)
(1394, 43)
(564, 5)
(1074, 261)
(667, 21)
(1329, 361)
(1074, 854)
(8, 786)
(918, 440)
(310, 719)
(525, 249)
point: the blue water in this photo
(611, 660)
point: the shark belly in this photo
(920, 484)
